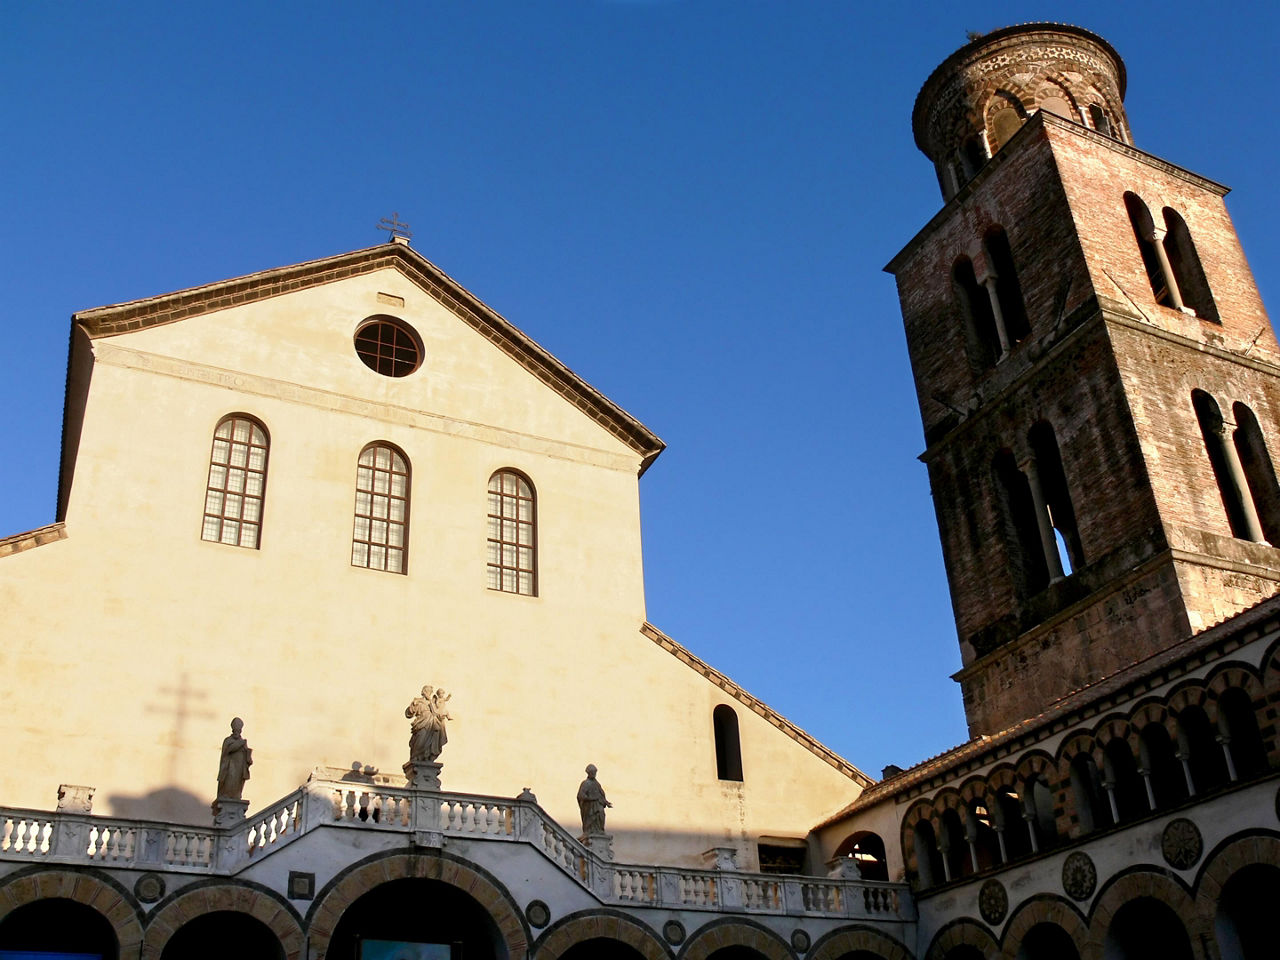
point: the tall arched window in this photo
(1144, 232)
(1057, 499)
(981, 337)
(1187, 271)
(1021, 527)
(1258, 471)
(1227, 468)
(380, 540)
(513, 540)
(1099, 120)
(1008, 290)
(724, 724)
(237, 482)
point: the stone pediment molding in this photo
(756, 706)
(172, 307)
(29, 540)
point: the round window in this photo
(388, 346)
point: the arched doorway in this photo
(223, 933)
(59, 926)
(601, 948)
(440, 920)
(1244, 923)
(964, 952)
(1048, 941)
(1144, 928)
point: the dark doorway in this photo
(418, 911)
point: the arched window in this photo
(380, 540)
(1008, 291)
(1099, 119)
(1044, 820)
(1013, 825)
(237, 482)
(1022, 532)
(1258, 471)
(982, 831)
(928, 857)
(1092, 807)
(513, 537)
(1239, 724)
(981, 338)
(974, 155)
(1187, 271)
(1162, 768)
(724, 724)
(866, 849)
(955, 846)
(1198, 742)
(1057, 499)
(1123, 780)
(1144, 232)
(1227, 468)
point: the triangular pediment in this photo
(197, 301)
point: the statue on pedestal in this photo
(592, 803)
(428, 728)
(233, 768)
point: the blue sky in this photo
(690, 203)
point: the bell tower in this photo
(1097, 378)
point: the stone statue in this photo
(233, 768)
(428, 728)
(592, 803)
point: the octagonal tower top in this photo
(977, 98)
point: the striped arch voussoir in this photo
(201, 899)
(360, 879)
(735, 933)
(850, 939)
(1193, 695)
(1115, 728)
(104, 896)
(1224, 863)
(1224, 680)
(1141, 883)
(962, 933)
(975, 790)
(1034, 765)
(1153, 712)
(594, 924)
(1004, 777)
(1043, 909)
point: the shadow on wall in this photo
(168, 804)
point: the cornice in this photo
(31, 539)
(756, 706)
(172, 307)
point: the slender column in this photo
(1185, 760)
(944, 847)
(1110, 787)
(1171, 284)
(989, 282)
(1226, 752)
(1239, 485)
(1151, 793)
(1048, 545)
(1029, 816)
(1004, 851)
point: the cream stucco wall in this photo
(132, 642)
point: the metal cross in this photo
(395, 227)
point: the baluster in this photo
(336, 799)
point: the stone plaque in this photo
(1181, 844)
(673, 931)
(993, 901)
(537, 913)
(149, 888)
(1079, 876)
(302, 886)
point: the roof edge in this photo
(221, 295)
(30, 539)
(756, 706)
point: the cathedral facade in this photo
(348, 504)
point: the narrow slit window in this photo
(1227, 471)
(237, 483)
(1008, 290)
(513, 540)
(1144, 232)
(724, 722)
(380, 540)
(1259, 473)
(1187, 270)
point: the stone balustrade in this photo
(70, 838)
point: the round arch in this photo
(1137, 883)
(576, 928)
(736, 933)
(1219, 866)
(1042, 909)
(89, 889)
(364, 875)
(220, 896)
(850, 939)
(964, 932)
